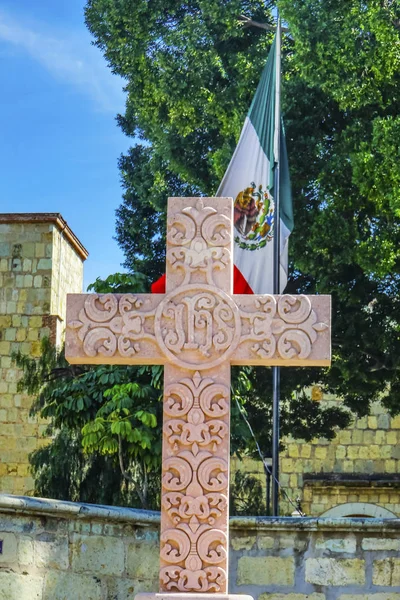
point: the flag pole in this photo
(276, 370)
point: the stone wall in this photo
(360, 465)
(53, 550)
(33, 283)
(67, 277)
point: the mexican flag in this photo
(249, 180)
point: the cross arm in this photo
(112, 329)
(292, 331)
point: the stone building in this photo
(355, 474)
(40, 261)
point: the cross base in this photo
(199, 596)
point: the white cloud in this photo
(68, 57)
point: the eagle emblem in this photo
(254, 217)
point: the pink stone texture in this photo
(197, 330)
(189, 596)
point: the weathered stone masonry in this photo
(40, 261)
(55, 550)
(360, 465)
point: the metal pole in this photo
(275, 440)
(276, 370)
(267, 469)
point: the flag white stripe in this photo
(249, 164)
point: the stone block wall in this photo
(53, 550)
(40, 259)
(362, 461)
(67, 277)
(360, 465)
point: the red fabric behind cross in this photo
(240, 285)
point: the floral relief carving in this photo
(107, 324)
(200, 239)
(284, 326)
(195, 483)
(196, 330)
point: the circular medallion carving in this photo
(197, 326)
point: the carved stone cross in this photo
(197, 329)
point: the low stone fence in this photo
(53, 550)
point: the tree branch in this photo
(121, 462)
(379, 365)
(247, 22)
(128, 477)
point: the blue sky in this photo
(59, 141)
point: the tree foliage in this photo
(105, 427)
(245, 494)
(120, 283)
(191, 69)
(105, 423)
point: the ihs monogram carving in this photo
(195, 484)
(197, 321)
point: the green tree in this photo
(120, 283)
(347, 54)
(191, 69)
(105, 423)
(147, 182)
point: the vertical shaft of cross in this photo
(195, 478)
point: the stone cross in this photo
(197, 329)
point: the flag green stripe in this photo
(286, 206)
(262, 109)
(262, 117)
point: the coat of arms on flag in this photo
(254, 217)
